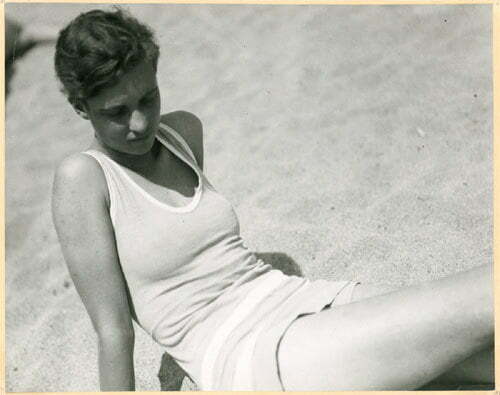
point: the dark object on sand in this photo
(17, 44)
(171, 375)
(14, 48)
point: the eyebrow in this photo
(118, 105)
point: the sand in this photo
(354, 143)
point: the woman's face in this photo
(126, 115)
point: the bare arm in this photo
(81, 216)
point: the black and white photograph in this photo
(248, 197)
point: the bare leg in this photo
(399, 340)
(477, 369)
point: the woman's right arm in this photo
(81, 217)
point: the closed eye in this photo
(115, 111)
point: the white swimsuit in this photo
(195, 287)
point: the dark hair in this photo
(97, 47)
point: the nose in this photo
(138, 122)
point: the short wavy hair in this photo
(97, 48)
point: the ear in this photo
(82, 113)
(79, 108)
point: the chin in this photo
(141, 147)
(142, 150)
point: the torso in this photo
(178, 259)
(194, 285)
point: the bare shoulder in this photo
(78, 166)
(183, 122)
(79, 176)
(190, 128)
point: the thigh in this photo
(367, 290)
(395, 341)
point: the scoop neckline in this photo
(180, 209)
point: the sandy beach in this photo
(355, 142)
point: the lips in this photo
(145, 137)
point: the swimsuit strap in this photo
(167, 130)
(112, 179)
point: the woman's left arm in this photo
(190, 128)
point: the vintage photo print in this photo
(248, 197)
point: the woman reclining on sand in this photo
(146, 237)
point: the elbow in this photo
(123, 336)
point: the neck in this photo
(139, 163)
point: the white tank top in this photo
(194, 285)
(176, 260)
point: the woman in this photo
(146, 237)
